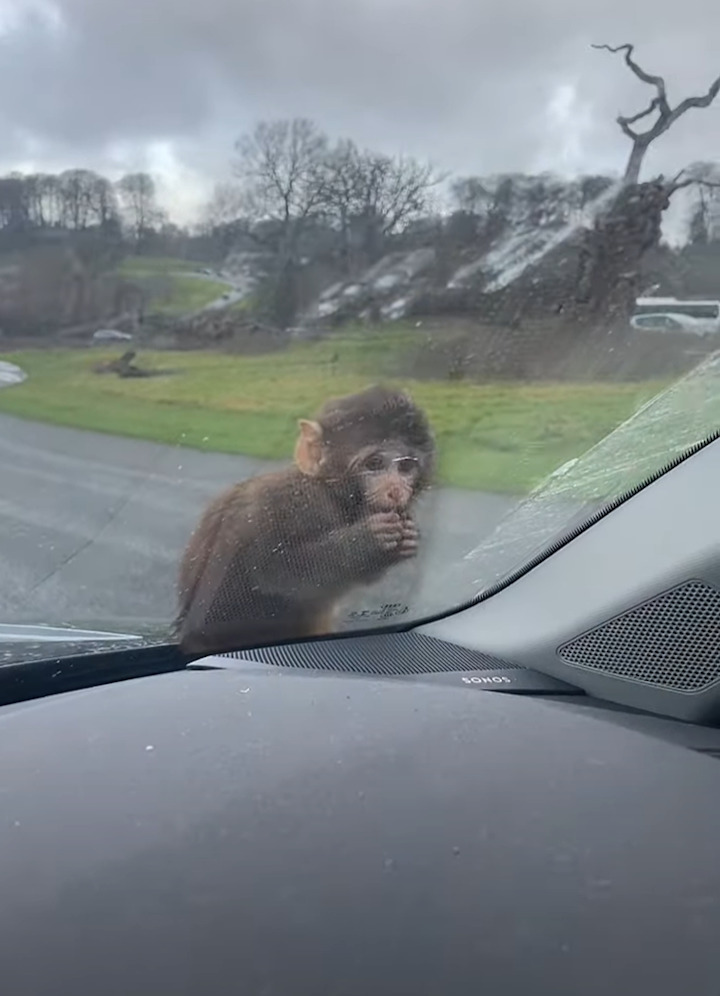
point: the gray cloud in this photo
(469, 86)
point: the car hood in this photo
(242, 828)
(21, 642)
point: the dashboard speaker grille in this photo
(671, 641)
(389, 654)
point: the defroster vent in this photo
(389, 654)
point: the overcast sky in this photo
(477, 87)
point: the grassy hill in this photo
(173, 286)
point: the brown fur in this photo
(272, 556)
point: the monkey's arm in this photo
(271, 554)
(341, 558)
(280, 587)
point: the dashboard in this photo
(521, 797)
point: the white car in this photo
(108, 335)
(663, 322)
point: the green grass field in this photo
(174, 285)
(501, 437)
(187, 294)
(149, 266)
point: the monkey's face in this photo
(374, 448)
(388, 477)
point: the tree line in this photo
(77, 200)
(302, 200)
(300, 196)
(290, 179)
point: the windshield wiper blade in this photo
(42, 633)
(22, 681)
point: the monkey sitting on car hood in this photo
(272, 556)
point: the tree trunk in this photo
(611, 257)
(634, 164)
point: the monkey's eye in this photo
(406, 465)
(374, 463)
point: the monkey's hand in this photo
(410, 539)
(386, 528)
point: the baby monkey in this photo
(272, 556)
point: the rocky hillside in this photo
(521, 246)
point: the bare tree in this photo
(13, 203)
(396, 190)
(50, 200)
(76, 191)
(34, 193)
(76, 199)
(630, 223)
(281, 169)
(343, 192)
(138, 200)
(291, 181)
(666, 115)
(374, 196)
(104, 200)
(225, 206)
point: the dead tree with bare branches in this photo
(613, 249)
(666, 116)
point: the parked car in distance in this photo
(661, 322)
(110, 335)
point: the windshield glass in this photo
(347, 357)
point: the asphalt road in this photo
(92, 528)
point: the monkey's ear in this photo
(309, 447)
